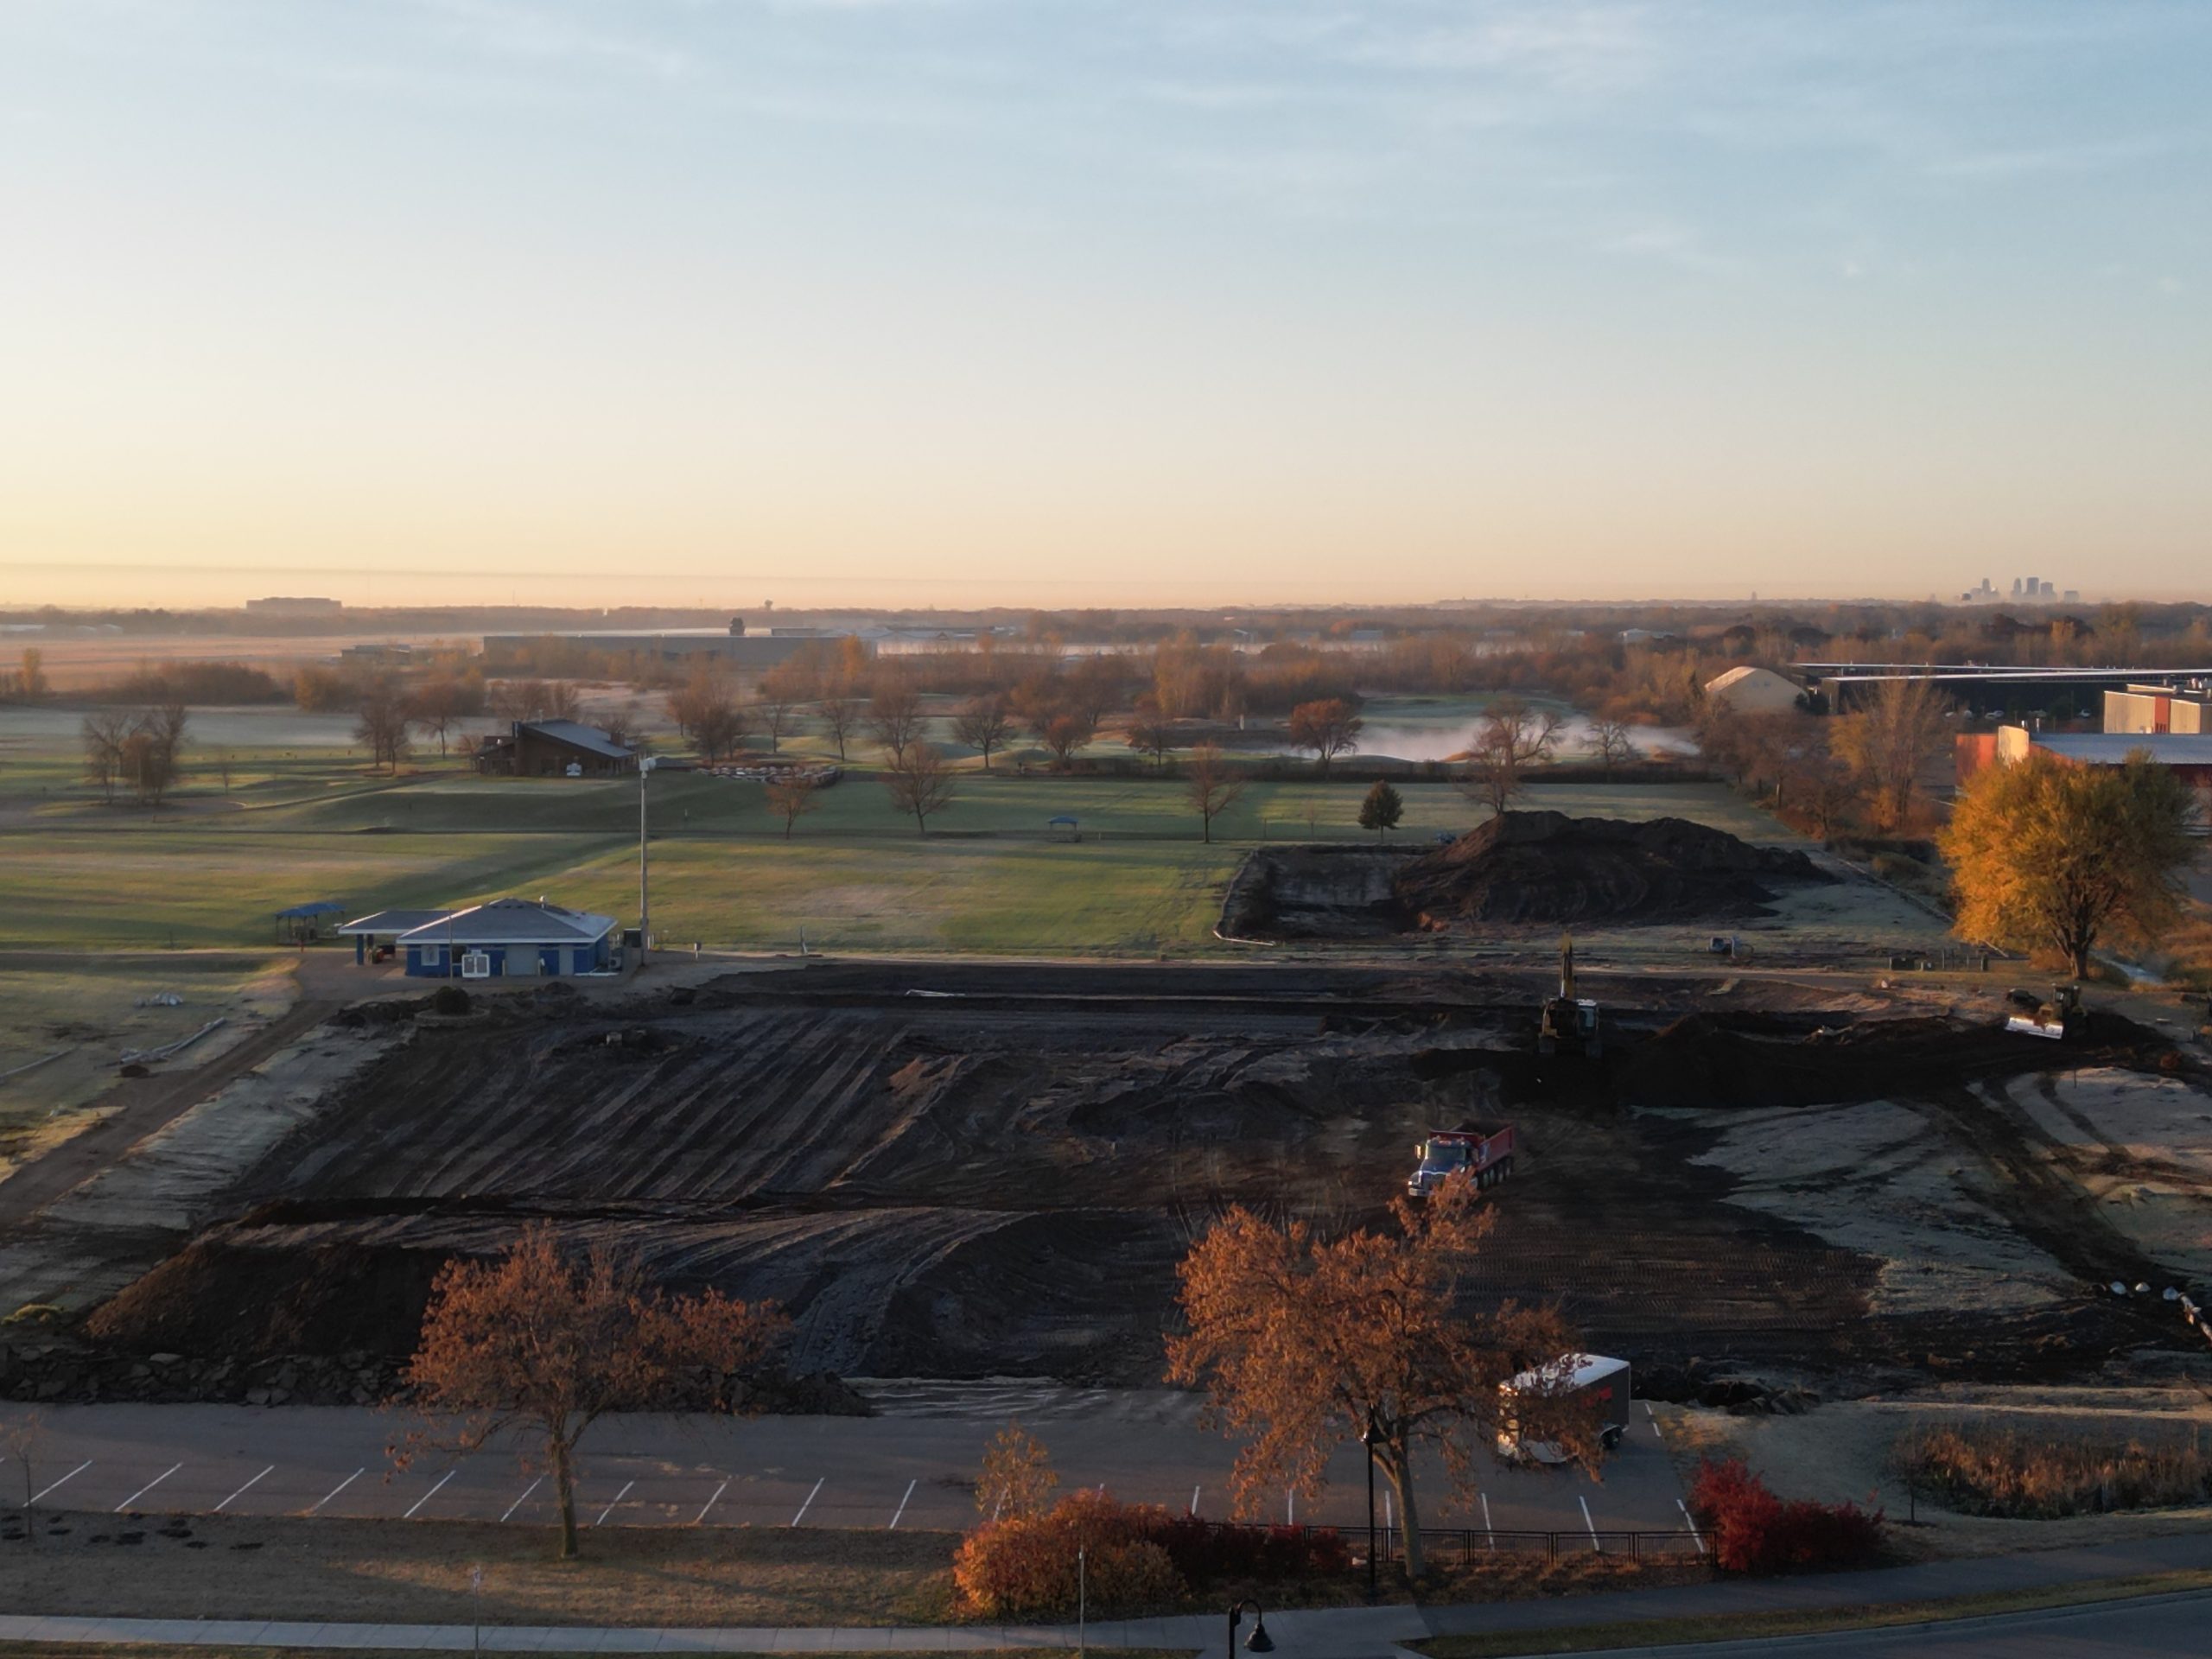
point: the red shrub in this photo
(1752, 1530)
(1203, 1551)
(1026, 1565)
(1139, 1557)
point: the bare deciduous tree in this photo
(1211, 785)
(436, 707)
(842, 716)
(1150, 732)
(792, 795)
(104, 732)
(983, 726)
(1511, 738)
(1903, 725)
(894, 716)
(919, 782)
(381, 725)
(1329, 728)
(1609, 744)
(779, 714)
(1064, 734)
(25, 1439)
(719, 728)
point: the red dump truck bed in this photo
(1485, 1154)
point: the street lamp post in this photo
(645, 903)
(1259, 1640)
(1367, 1438)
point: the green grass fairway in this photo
(198, 885)
(972, 895)
(990, 877)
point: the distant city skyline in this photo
(1209, 303)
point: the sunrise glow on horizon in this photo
(969, 303)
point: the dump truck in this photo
(1571, 1376)
(1488, 1153)
(1568, 1023)
(2058, 1019)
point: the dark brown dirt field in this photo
(972, 1171)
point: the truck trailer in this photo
(1571, 1376)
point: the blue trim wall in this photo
(530, 961)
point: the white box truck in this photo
(1586, 1377)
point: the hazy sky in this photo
(1092, 302)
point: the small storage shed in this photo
(510, 939)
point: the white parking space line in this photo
(334, 1491)
(148, 1487)
(1695, 1537)
(64, 1481)
(1289, 1507)
(1387, 1522)
(612, 1502)
(710, 1503)
(1486, 1525)
(903, 1503)
(432, 1493)
(244, 1490)
(524, 1499)
(1195, 1490)
(1589, 1523)
(809, 1504)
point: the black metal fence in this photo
(1471, 1545)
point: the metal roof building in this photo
(509, 938)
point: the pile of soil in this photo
(1547, 868)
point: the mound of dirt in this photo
(1547, 868)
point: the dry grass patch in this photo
(417, 1573)
(1989, 1470)
(1746, 1627)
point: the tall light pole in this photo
(1367, 1439)
(645, 903)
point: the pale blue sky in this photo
(1094, 302)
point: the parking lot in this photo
(913, 1473)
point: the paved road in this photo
(2156, 1626)
(683, 1471)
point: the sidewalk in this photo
(1323, 1633)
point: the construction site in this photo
(1750, 1183)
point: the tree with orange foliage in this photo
(538, 1341)
(1305, 1344)
(1017, 1477)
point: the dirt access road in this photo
(138, 1107)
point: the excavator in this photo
(1568, 1023)
(2057, 1020)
